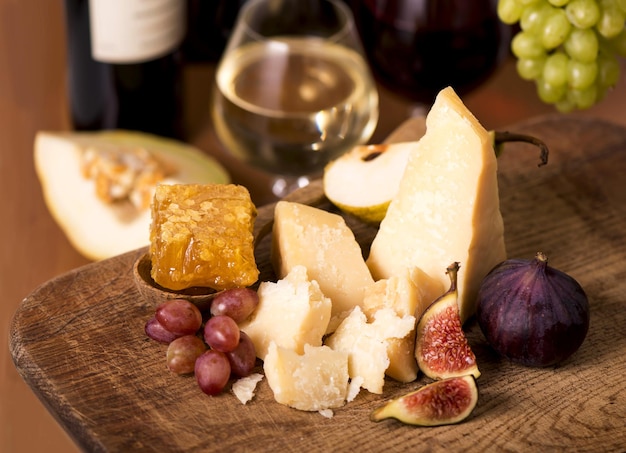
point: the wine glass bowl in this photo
(293, 89)
(418, 47)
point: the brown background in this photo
(33, 97)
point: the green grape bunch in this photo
(569, 48)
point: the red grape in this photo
(157, 332)
(238, 303)
(243, 358)
(221, 333)
(183, 352)
(179, 316)
(212, 371)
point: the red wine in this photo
(136, 85)
(418, 47)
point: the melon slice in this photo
(101, 227)
(447, 207)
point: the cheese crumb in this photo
(328, 413)
(354, 388)
(245, 387)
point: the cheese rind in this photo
(447, 208)
(291, 313)
(322, 242)
(312, 381)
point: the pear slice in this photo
(100, 216)
(363, 181)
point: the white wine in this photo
(289, 106)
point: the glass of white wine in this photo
(293, 89)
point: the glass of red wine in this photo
(418, 47)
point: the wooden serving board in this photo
(78, 340)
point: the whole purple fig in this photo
(531, 313)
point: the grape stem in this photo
(501, 137)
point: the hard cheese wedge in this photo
(322, 243)
(447, 208)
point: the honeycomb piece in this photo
(201, 236)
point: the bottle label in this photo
(134, 31)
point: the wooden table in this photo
(33, 97)
(78, 340)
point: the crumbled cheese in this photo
(366, 343)
(245, 387)
(354, 388)
(328, 413)
(292, 312)
(314, 381)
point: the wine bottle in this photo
(124, 64)
(209, 24)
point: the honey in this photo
(201, 236)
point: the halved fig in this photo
(441, 347)
(442, 402)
